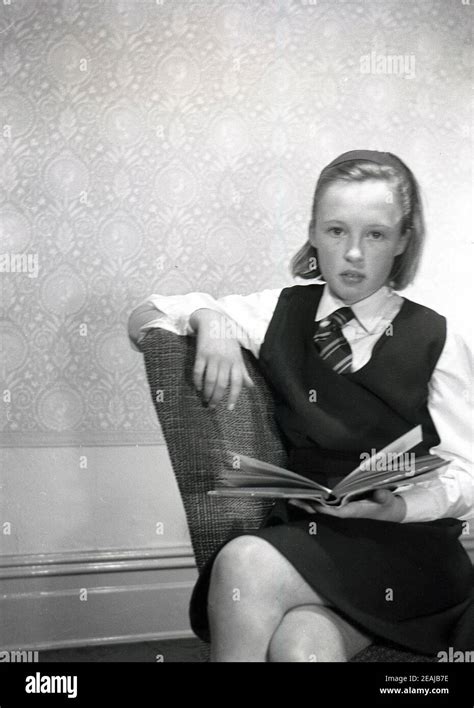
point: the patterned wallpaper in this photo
(173, 145)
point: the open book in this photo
(391, 468)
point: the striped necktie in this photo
(331, 343)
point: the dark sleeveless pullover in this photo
(326, 419)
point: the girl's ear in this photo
(402, 242)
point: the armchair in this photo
(197, 438)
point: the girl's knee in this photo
(243, 577)
(245, 558)
(310, 635)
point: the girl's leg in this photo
(252, 587)
(315, 633)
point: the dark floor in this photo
(189, 650)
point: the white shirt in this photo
(450, 490)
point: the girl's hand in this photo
(218, 361)
(384, 506)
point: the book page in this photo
(266, 470)
(367, 469)
(271, 492)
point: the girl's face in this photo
(358, 235)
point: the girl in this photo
(389, 567)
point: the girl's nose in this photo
(354, 251)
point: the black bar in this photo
(155, 684)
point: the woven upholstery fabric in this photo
(197, 439)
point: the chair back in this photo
(198, 438)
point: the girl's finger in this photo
(302, 505)
(382, 496)
(221, 383)
(329, 510)
(235, 386)
(247, 380)
(210, 378)
(198, 371)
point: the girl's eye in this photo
(335, 230)
(375, 235)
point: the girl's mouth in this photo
(352, 276)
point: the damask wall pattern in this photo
(173, 145)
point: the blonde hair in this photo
(304, 263)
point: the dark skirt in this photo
(409, 583)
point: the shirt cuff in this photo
(422, 504)
(449, 492)
(171, 312)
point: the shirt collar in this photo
(369, 312)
